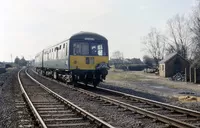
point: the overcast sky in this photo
(28, 26)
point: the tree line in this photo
(119, 62)
(20, 62)
(118, 58)
(182, 36)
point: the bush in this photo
(137, 67)
(2, 70)
(150, 70)
(8, 66)
(131, 67)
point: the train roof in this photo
(83, 35)
(80, 35)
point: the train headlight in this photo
(75, 62)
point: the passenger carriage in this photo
(81, 58)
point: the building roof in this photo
(82, 35)
(168, 57)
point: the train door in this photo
(67, 55)
(56, 53)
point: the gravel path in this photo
(146, 94)
(152, 84)
(158, 90)
(128, 88)
(3, 78)
(110, 114)
(190, 105)
(8, 115)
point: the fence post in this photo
(190, 74)
(186, 74)
(195, 75)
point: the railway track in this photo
(171, 115)
(52, 110)
(25, 116)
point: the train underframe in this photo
(93, 77)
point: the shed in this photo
(172, 64)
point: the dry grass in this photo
(189, 99)
(124, 75)
(139, 76)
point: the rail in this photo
(83, 112)
(172, 107)
(30, 104)
(151, 114)
(162, 118)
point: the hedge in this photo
(131, 67)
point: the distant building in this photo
(172, 64)
(30, 62)
(2, 65)
(2, 68)
(133, 61)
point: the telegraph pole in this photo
(11, 58)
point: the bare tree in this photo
(117, 55)
(155, 45)
(148, 61)
(195, 28)
(179, 39)
(117, 58)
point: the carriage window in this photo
(63, 45)
(57, 54)
(97, 49)
(47, 56)
(80, 49)
(66, 50)
(100, 50)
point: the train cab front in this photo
(94, 76)
(89, 58)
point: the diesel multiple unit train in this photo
(81, 58)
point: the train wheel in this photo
(75, 83)
(85, 82)
(41, 72)
(96, 83)
(69, 80)
(44, 73)
(55, 75)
